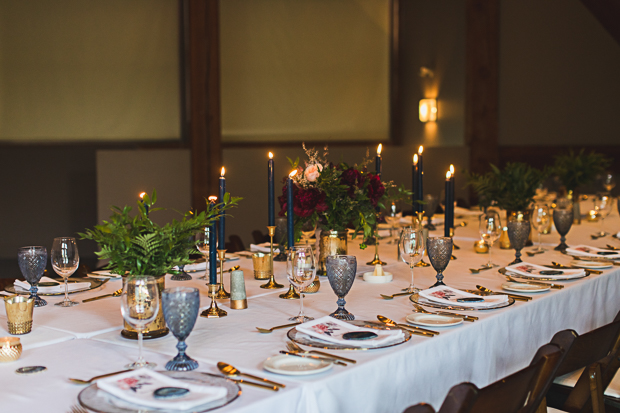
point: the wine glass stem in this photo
(140, 359)
(539, 241)
(301, 305)
(411, 268)
(602, 224)
(66, 288)
(490, 263)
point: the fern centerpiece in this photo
(135, 245)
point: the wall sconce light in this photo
(428, 110)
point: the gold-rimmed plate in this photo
(94, 283)
(306, 340)
(99, 401)
(503, 271)
(428, 303)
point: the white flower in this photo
(313, 171)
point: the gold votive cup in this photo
(19, 314)
(262, 265)
(10, 349)
(481, 247)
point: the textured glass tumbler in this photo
(563, 221)
(181, 307)
(432, 202)
(518, 233)
(439, 250)
(32, 262)
(341, 271)
(182, 275)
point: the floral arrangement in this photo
(338, 196)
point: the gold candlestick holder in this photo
(221, 292)
(291, 294)
(213, 311)
(271, 284)
(419, 218)
(454, 247)
(376, 260)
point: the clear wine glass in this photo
(65, 261)
(32, 262)
(301, 273)
(490, 229)
(411, 251)
(603, 204)
(609, 181)
(139, 306)
(392, 218)
(202, 244)
(540, 219)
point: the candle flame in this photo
(451, 169)
(293, 173)
(421, 149)
(212, 199)
(270, 155)
(448, 175)
(223, 171)
(415, 159)
(142, 195)
(379, 149)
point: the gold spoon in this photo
(514, 280)
(389, 297)
(477, 270)
(515, 296)
(79, 381)
(570, 267)
(532, 253)
(392, 323)
(229, 370)
(465, 317)
(294, 347)
(269, 330)
(116, 293)
(611, 247)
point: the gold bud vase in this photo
(155, 329)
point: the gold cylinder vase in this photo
(331, 243)
(155, 329)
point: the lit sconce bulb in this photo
(428, 110)
(223, 171)
(212, 199)
(379, 148)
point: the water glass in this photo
(180, 306)
(439, 251)
(301, 272)
(139, 306)
(490, 228)
(341, 270)
(32, 262)
(540, 220)
(603, 203)
(411, 247)
(65, 261)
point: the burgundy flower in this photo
(307, 201)
(375, 188)
(352, 178)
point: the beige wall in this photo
(559, 75)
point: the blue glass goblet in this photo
(181, 305)
(182, 275)
(32, 262)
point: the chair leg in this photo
(596, 388)
(542, 408)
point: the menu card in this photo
(587, 251)
(538, 271)
(332, 330)
(450, 296)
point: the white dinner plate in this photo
(524, 288)
(433, 320)
(295, 366)
(591, 265)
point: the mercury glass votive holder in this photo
(19, 314)
(10, 349)
(262, 265)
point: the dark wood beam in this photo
(482, 80)
(607, 12)
(203, 122)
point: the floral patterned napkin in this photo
(587, 251)
(450, 296)
(538, 271)
(331, 330)
(60, 288)
(139, 387)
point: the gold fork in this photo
(80, 381)
(78, 409)
(116, 293)
(269, 330)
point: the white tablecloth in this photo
(84, 341)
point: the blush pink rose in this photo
(313, 171)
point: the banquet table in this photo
(84, 341)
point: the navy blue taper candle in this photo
(221, 240)
(420, 179)
(271, 219)
(415, 182)
(212, 245)
(378, 161)
(290, 216)
(448, 207)
(146, 207)
(452, 195)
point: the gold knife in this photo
(116, 293)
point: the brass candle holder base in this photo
(221, 292)
(271, 284)
(213, 311)
(291, 294)
(376, 260)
